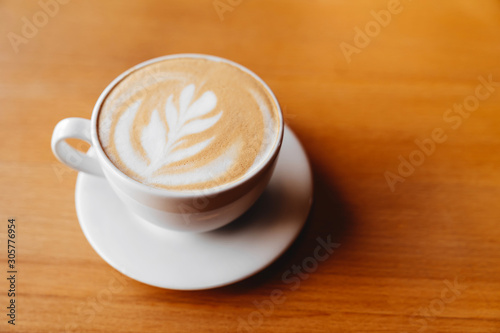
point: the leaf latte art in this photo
(180, 124)
(188, 124)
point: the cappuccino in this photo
(188, 123)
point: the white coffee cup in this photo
(192, 211)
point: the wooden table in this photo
(360, 81)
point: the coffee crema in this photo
(188, 124)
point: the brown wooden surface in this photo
(399, 250)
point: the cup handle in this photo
(74, 128)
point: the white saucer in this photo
(187, 261)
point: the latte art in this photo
(188, 124)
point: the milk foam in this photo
(200, 131)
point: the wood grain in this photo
(399, 250)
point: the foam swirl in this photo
(187, 124)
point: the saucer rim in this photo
(291, 238)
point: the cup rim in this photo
(183, 193)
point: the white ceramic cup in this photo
(192, 211)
